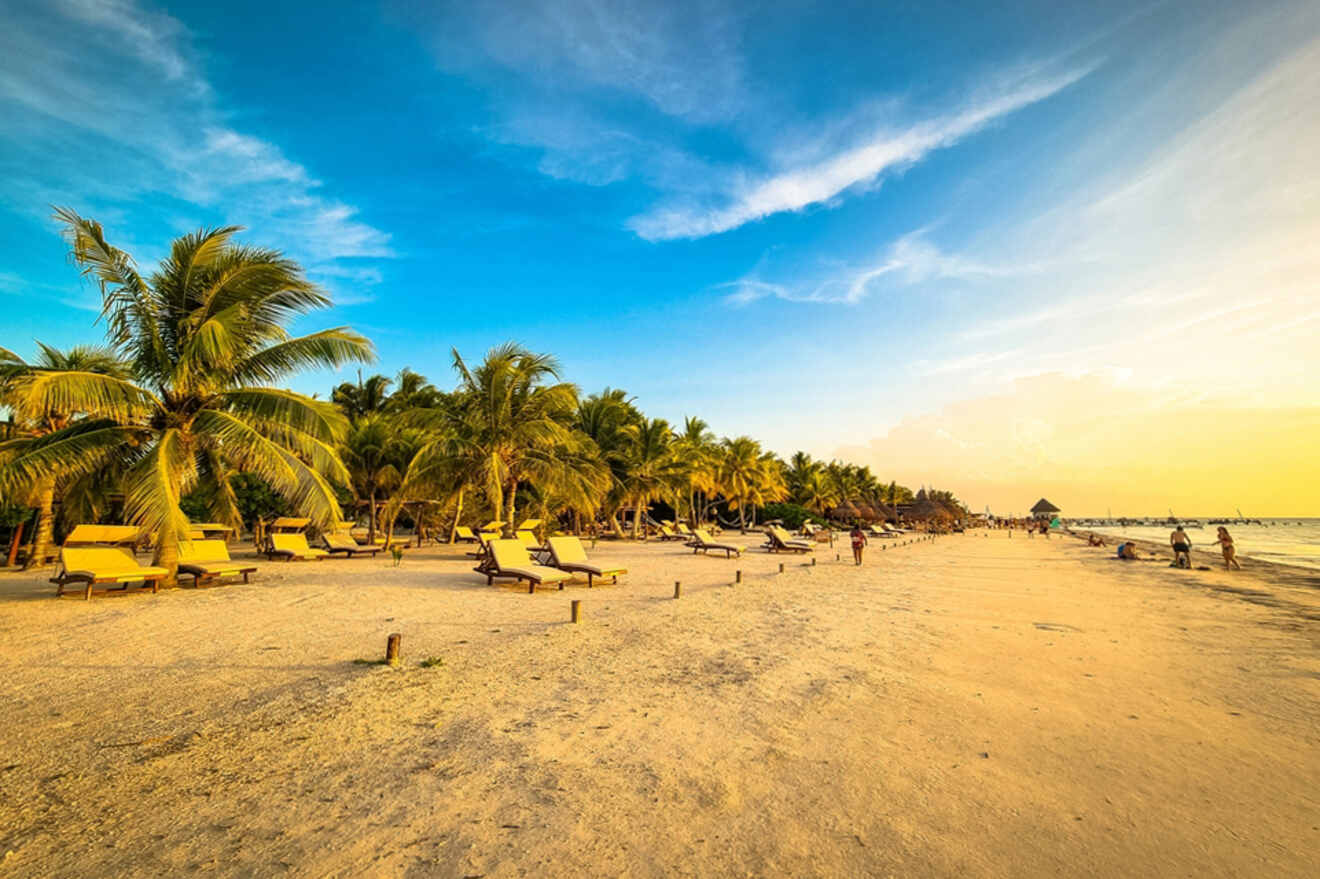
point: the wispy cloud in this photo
(912, 259)
(860, 165)
(105, 102)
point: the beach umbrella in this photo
(845, 511)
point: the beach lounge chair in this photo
(208, 561)
(510, 558)
(702, 542)
(684, 531)
(781, 541)
(342, 541)
(95, 566)
(567, 554)
(292, 546)
(464, 534)
(493, 525)
(879, 531)
(528, 539)
(668, 533)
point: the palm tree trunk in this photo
(513, 497)
(371, 525)
(637, 516)
(458, 517)
(15, 543)
(167, 556)
(742, 517)
(45, 533)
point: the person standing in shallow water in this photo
(858, 542)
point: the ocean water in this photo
(1285, 541)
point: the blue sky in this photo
(805, 222)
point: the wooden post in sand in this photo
(15, 543)
(392, 649)
(813, 561)
(678, 589)
(576, 611)
(781, 567)
(737, 576)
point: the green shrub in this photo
(792, 514)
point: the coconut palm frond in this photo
(40, 392)
(154, 485)
(316, 418)
(327, 348)
(76, 450)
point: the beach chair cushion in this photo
(787, 541)
(463, 532)
(528, 539)
(511, 559)
(294, 545)
(704, 541)
(209, 558)
(105, 564)
(342, 541)
(569, 554)
(110, 534)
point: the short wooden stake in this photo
(813, 561)
(678, 589)
(392, 649)
(737, 576)
(781, 567)
(576, 611)
(836, 556)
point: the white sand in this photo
(978, 706)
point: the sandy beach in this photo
(972, 706)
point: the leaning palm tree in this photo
(740, 470)
(42, 491)
(205, 337)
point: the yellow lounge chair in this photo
(342, 541)
(528, 539)
(104, 535)
(684, 530)
(567, 554)
(464, 534)
(529, 525)
(781, 541)
(510, 558)
(293, 546)
(208, 560)
(668, 533)
(493, 525)
(702, 542)
(97, 565)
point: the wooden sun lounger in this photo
(95, 566)
(780, 541)
(292, 546)
(702, 543)
(342, 541)
(208, 561)
(464, 534)
(509, 558)
(567, 554)
(668, 533)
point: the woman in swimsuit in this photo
(1230, 552)
(858, 542)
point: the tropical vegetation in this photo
(179, 415)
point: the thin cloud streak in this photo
(824, 180)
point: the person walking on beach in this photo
(1230, 552)
(858, 542)
(1182, 547)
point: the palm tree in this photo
(374, 452)
(79, 359)
(204, 335)
(604, 418)
(815, 493)
(739, 472)
(651, 468)
(517, 419)
(696, 448)
(364, 398)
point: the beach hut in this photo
(844, 511)
(1044, 510)
(923, 508)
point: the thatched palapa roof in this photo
(1044, 506)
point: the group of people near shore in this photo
(1181, 544)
